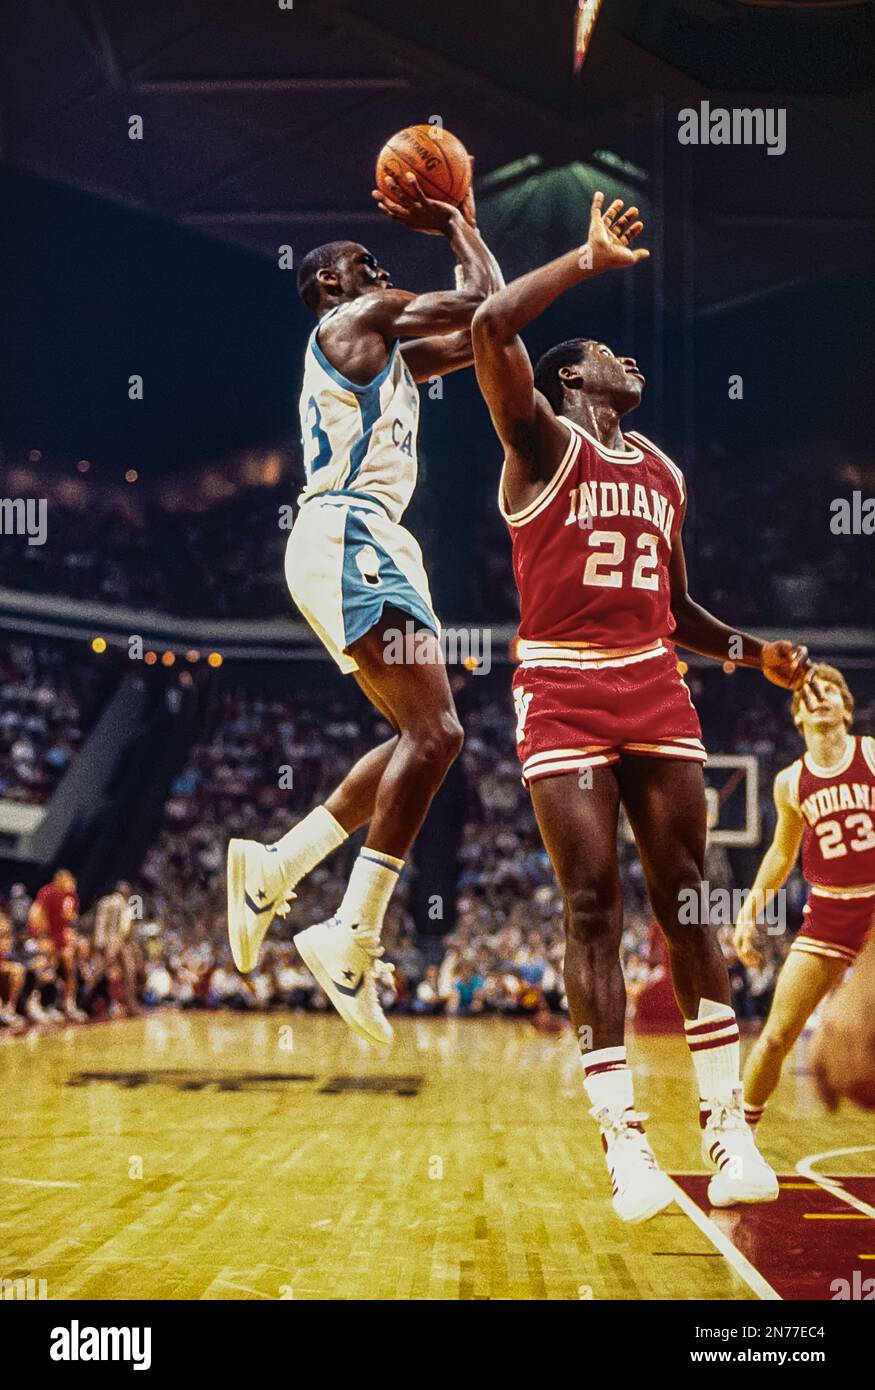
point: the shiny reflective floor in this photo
(276, 1156)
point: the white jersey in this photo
(359, 441)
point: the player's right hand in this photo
(744, 940)
(790, 666)
(468, 207)
(411, 206)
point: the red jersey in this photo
(61, 908)
(591, 553)
(838, 807)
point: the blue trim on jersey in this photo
(347, 492)
(338, 376)
(370, 411)
(363, 603)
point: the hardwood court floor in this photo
(277, 1156)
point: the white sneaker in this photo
(346, 962)
(257, 893)
(34, 1009)
(728, 1146)
(640, 1189)
(11, 1020)
(74, 1014)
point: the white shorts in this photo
(346, 562)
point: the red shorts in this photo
(579, 708)
(835, 927)
(62, 937)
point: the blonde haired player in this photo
(826, 804)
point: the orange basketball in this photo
(437, 158)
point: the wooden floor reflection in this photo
(276, 1156)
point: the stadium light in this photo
(587, 13)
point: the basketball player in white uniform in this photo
(357, 576)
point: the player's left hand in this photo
(789, 665)
(409, 205)
(842, 1053)
(611, 233)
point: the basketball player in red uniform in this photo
(603, 716)
(825, 803)
(53, 916)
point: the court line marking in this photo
(740, 1263)
(805, 1166)
(243, 1288)
(834, 1216)
(40, 1182)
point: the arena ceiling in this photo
(260, 124)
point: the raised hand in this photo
(410, 205)
(611, 233)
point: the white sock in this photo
(371, 884)
(308, 843)
(607, 1079)
(712, 1038)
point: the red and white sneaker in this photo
(639, 1188)
(728, 1146)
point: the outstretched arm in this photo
(400, 314)
(772, 873)
(358, 340)
(436, 356)
(523, 419)
(445, 310)
(783, 663)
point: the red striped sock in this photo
(607, 1079)
(754, 1113)
(714, 1047)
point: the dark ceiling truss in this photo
(246, 134)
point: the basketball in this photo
(437, 158)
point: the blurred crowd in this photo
(216, 550)
(224, 561)
(265, 759)
(46, 702)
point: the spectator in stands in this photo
(12, 975)
(41, 987)
(158, 988)
(44, 703)
(428, 998)
(113, 920)
(466, 996)
(19, 911)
